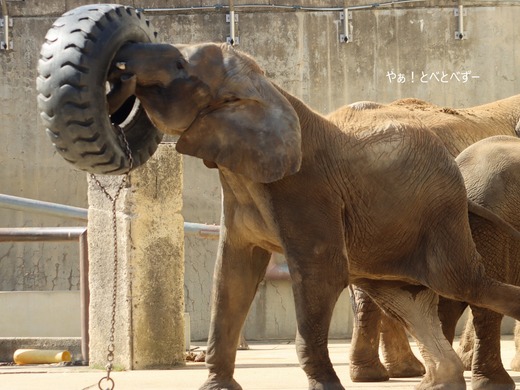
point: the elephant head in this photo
(219, 102)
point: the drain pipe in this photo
(232, 32)
(6, 44)
(460, 34)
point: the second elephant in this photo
(457, 129)
(491, 171)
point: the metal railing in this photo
(57, 234)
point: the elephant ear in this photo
(253, 130)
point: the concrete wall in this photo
(398, 51)
(40, 314)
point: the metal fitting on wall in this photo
(5, 23)
(346, 26)
(459, 13)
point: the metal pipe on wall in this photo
(52, 209)
(60, 210)
(7, 45)
(35, 234)
(232, 33)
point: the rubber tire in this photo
(74, 62)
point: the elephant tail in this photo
(496, 220)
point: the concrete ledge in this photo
(8, 345)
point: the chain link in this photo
(107, 381)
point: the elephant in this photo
(491, 171)
(457, 129)
(384, 208)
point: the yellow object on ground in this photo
(40, 356)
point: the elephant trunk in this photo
(144, 64)
(152, 63)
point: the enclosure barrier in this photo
(32, 234)
(61, 234)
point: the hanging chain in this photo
(107, 381)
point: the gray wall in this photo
(301, 52)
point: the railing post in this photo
(84, 294)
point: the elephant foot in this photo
(212, 383)
(319, 385)
(408, 368)
(502, 381)
(372, 372)
(242, 343)
(429, 383)
(515, 363)
(445, 375)
(441, 386)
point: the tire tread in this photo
(70, 108)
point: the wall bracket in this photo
(345, 17)
(6, 42)
(459, 13)
(232, 19)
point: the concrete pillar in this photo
(149, 324)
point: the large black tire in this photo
(72, 83)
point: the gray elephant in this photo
(491, 171)
(457, 129)
(384, 207)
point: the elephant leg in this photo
(238, 272)
(365, 365)
(316, 290)
(314, 309)
(416, 308)
(450, 312)
(397, 354)
(467, 343)
(488, 373)
(315, 249)
(515, 363)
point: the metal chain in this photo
(107, 381)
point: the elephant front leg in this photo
(365, 365)
(488, 373)
(238, 272)
(316, 290)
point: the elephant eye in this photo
(179, 65)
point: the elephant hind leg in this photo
(365, 365)
(373, 329)
(488, 373)
(416, 308)
(467, 343)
